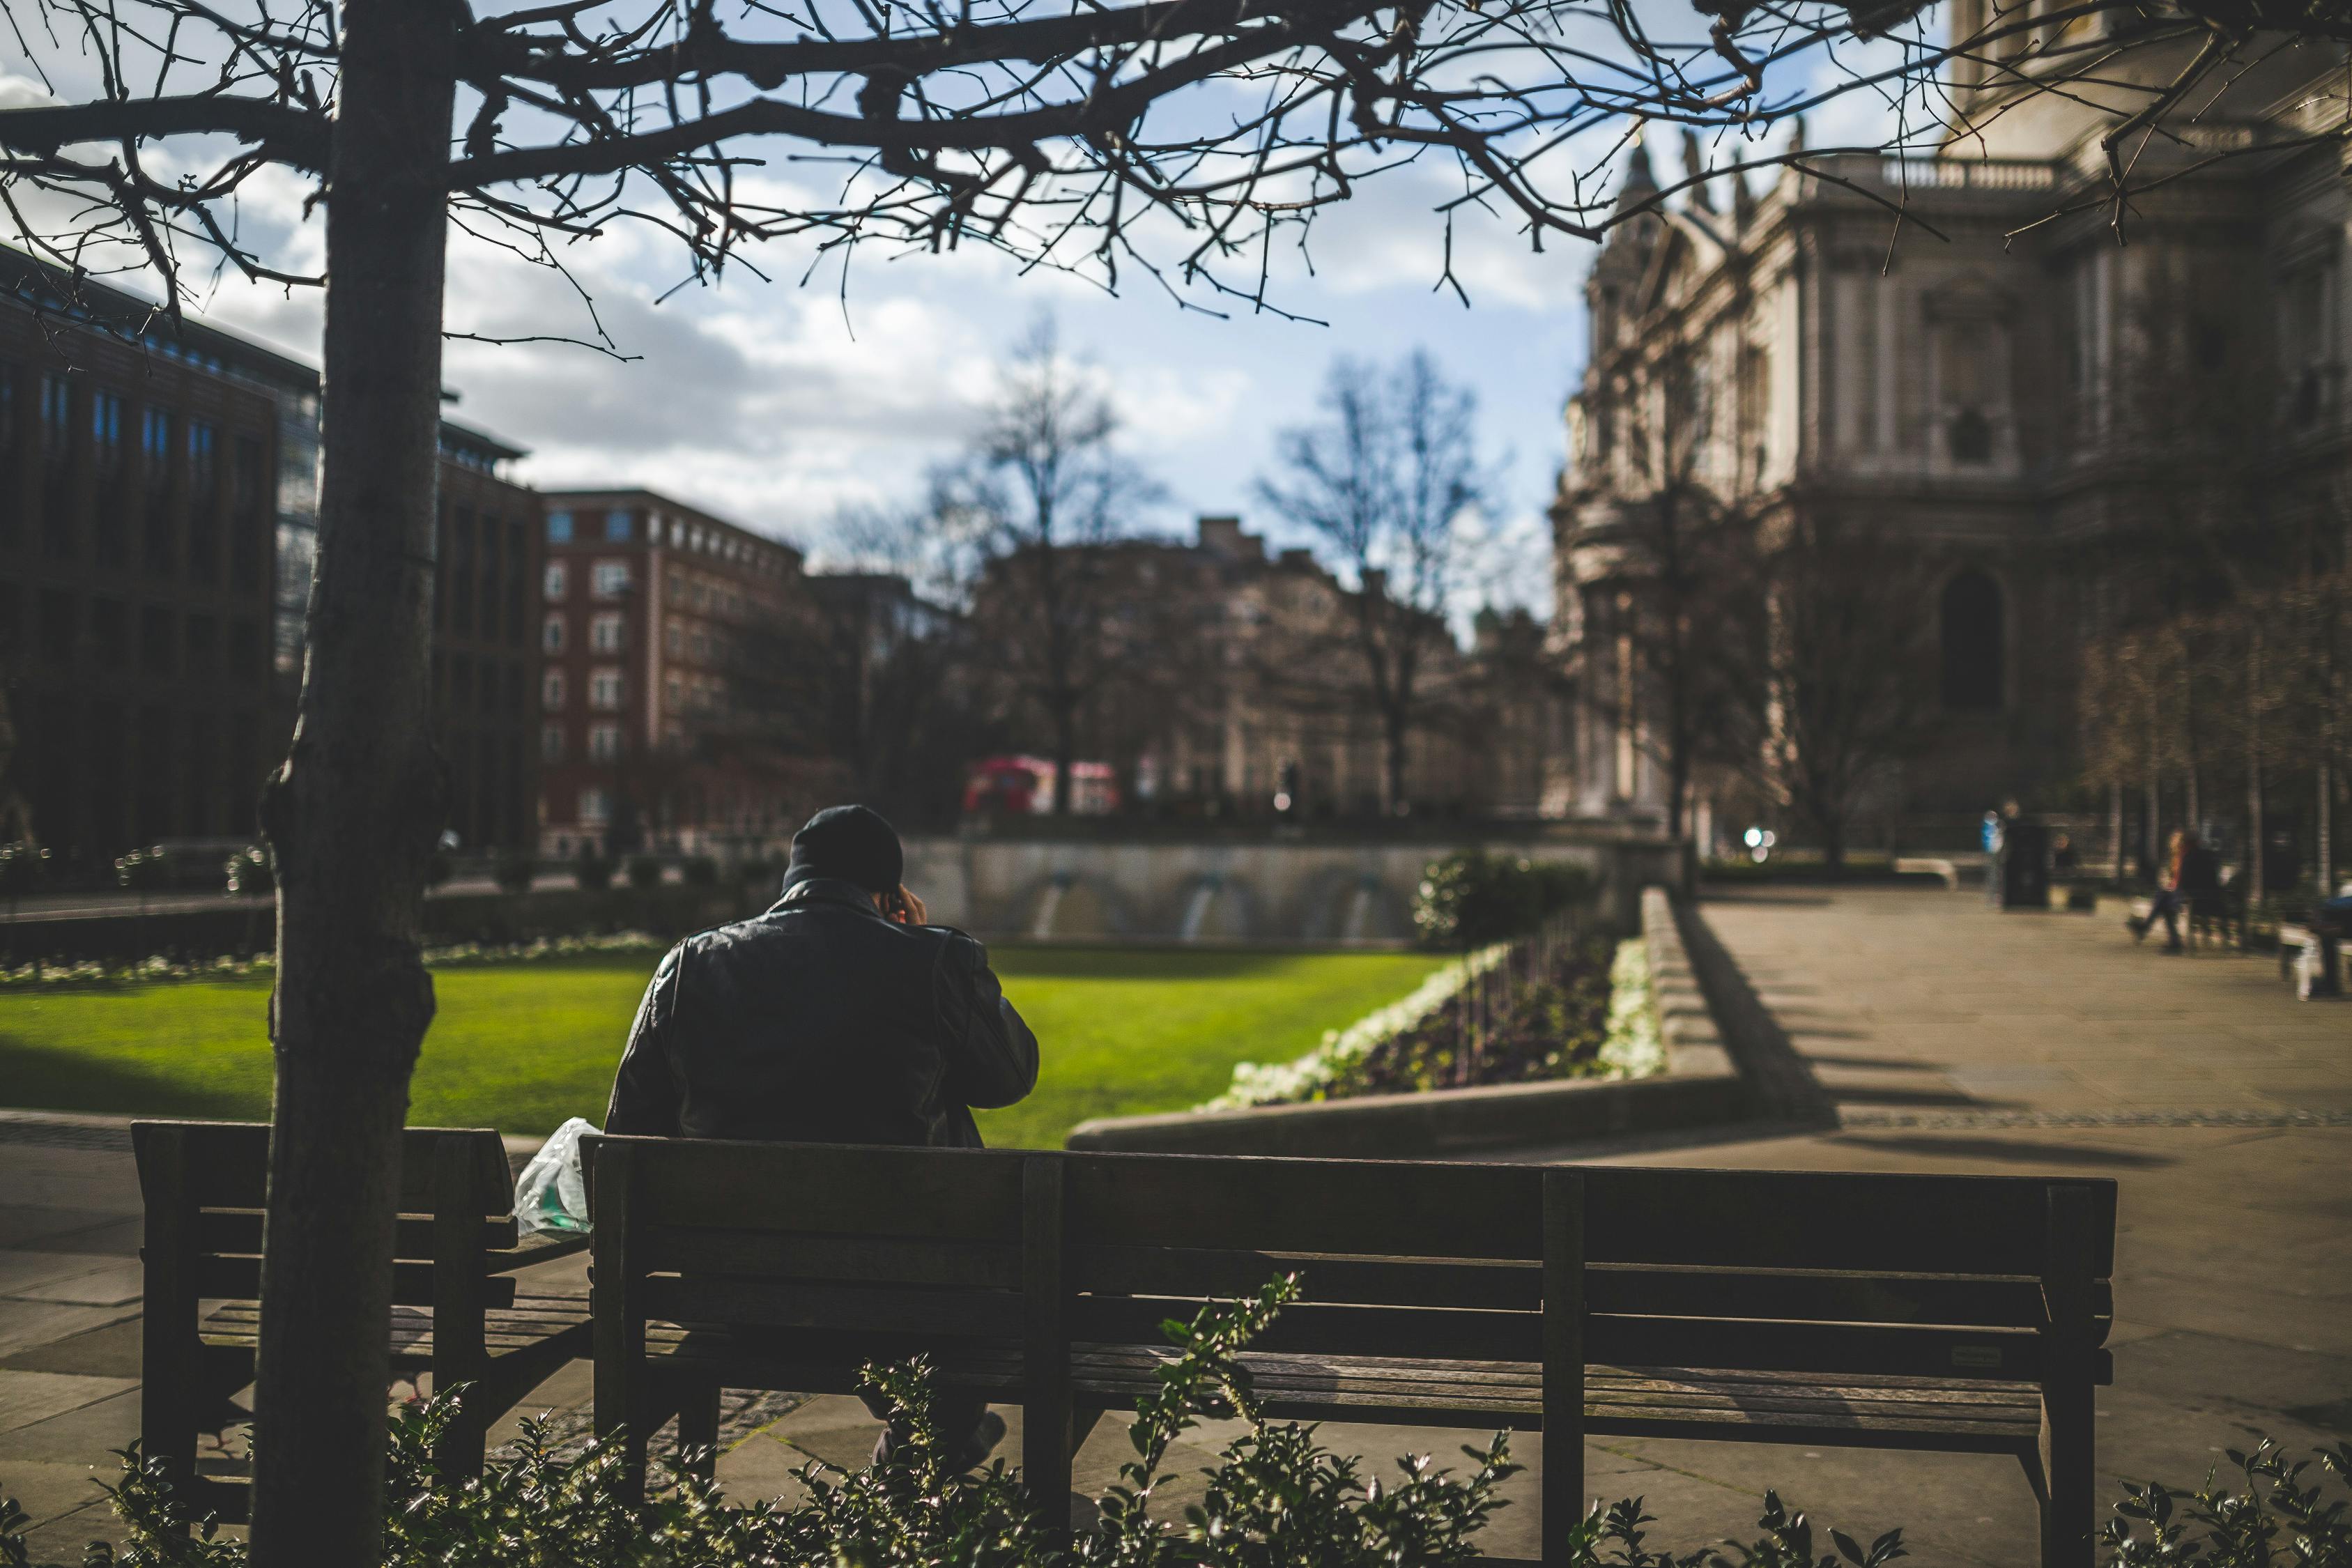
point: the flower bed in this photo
(1589, 1014)
(148, 971)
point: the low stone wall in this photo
(1319, 891)
(1701, 1086)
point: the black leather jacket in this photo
(820, 1022)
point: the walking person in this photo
(2180, 852)
(838, 1017)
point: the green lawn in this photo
(521, 1046)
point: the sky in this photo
(780, 400)
(776, 402)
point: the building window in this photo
(675, 690)
(676, 637)
(550, 690)
(618, 527)
(551, 635)
(612, 579)
(106, 428)
(605, 742)
(204, 441)
(1974, 644)
(56, 413)
(605, 688)
(593, 807)
(155, 441)
(551, 743)
(558, 582)
(607, 634)
(559, 528)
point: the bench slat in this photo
(755, 1303)
(967, 1194)
(838, 1260)
(411, 1282)
(238, 1325)
(1868, 1222)
(1678, 1291)
(239, 1231)
(2000, 1417)
(228, 1163)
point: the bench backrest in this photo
(1924, 1275)
(205, 1184)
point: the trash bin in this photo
(2025, 866)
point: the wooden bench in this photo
(456, 1314)
(1941, 1313)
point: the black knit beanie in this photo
(852, 843)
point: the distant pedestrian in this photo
(1992, 837)
(2182, 852)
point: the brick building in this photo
(1224, 681)
(683, 680)
(138, 506)
(158, 524)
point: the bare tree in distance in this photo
(1183, 140)
(1385, 481)
(1044, 489)
(1830, 708)
(1682, 627)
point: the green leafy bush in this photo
(1275, 1499)
(645, 871)
(593, 872)
(700, 871)
(2276, 1521)
(515, 873)
(251, 873)
(1470, 899)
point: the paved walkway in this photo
(1952, 1039)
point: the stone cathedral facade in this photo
(1989, 398)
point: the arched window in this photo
(1974, 672)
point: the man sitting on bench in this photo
(838, 1017)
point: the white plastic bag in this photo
(551, 1194)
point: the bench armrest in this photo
(539, 1249)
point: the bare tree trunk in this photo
(2254, 890)
(1397, 732)
(2115, 830)
(1065, 752)
(353, 813)
(2326, 820)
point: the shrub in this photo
(593, 872)
(251, 873)
(700, 871)
(2275, 1522)
(1470, 899)
(515, 873)
(645, 871)
(440, 868)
